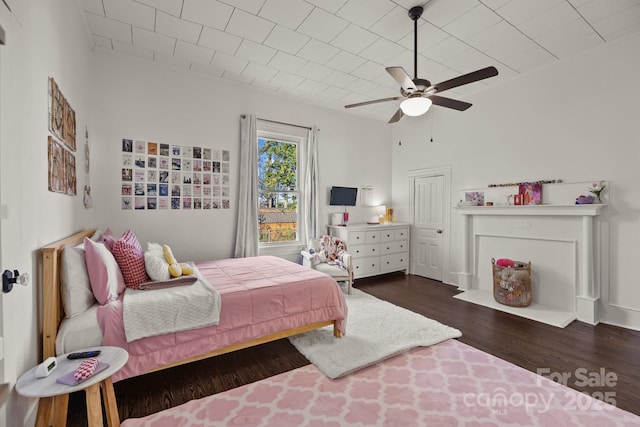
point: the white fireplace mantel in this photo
(542, 224)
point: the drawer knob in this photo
(373, 250)
(388, 248)
(373, 265)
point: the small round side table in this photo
(54, 397)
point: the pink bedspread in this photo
(260, 296)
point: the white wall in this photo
(576, 120)
(44, 39)
(142, 100)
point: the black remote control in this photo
(83, 354)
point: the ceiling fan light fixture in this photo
(415, 106)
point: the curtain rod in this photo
(283, 123)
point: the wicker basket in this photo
(512, 285)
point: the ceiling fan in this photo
(419, 93)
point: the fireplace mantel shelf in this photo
(531, 210)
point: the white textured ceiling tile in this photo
(579, 3)
(492, 36)
(172, 7)
(382, 51)
(619, 24)
(354, 98)
(290, 91)
(211, 13)
(365, 13)
(550, 19)
(206, 69)
(362, 87)
(93, 6)
(287, 40)
(175, 27)
(566, 33)
(428, 35)
(339, 79)
(477, 19)
(171, 60)
(287, 80)
(370, 71)
(153, 41)
(129, 49)
(335, 92)
(240, 78)
(597, 10)
(574, 46)
(249, 26)
(289, 13)
(331, 6)
(385, 91)
(255, 52)
(345, 61)
(322, 25)
(109, 28)
(103, 42)
(468, 61)
(219, 40)
(131, 12)
(259, 72)
(266, 86)
(519, 11)
(395, 25)
(440, 13)
(446, 49)
(193, 52)
(354, 39)
(495, 4)
(314, 71)
(251, 6)
(405, 60)
(311, 86)
(229, 63)
(508, 48)
(530, 59)
(285, 62)
(317, 51)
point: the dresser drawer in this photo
(372, 237)
(363, 266)
(355, 238)
(359, 251)
(394, 262)
(387, 235)
(393, 247)
(402, 233)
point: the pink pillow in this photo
(130, 257)
(104, 274)
(108, 239)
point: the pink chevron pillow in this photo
(130, 257)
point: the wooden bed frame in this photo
(53, 311)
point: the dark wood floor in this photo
(526, 343)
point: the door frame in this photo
(445, 172)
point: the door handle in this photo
(439, 231)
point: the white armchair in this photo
(329, 255)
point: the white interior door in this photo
(426, 238)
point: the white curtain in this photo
(311, 191)
(247, 235)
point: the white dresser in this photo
(376, 249)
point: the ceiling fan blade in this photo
(449, 103)
(403, 79)
(482, 74)
(397, 116)
(375, 101)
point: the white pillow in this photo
(75, 288)
(155, 263)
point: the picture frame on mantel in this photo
(531, 193)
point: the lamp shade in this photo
(416, 106)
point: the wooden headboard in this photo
(52, 310)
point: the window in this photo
(280, 150)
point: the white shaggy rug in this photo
(376, 330)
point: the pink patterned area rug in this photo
(448, 384)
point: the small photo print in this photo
(187, 152)
(140, 147)
(216, 179)
(175, 190)
(226, 155)
(206, 191)
(197, 165)
(206, 165)
(152, 148)
(225, 179)
(127, 146)
(206, 153)
(197, 191)
(164, 176)
(127, 203)
(216, 191)
(215, 204)
(175, 150)
(175, 177)
(139, 189)
(197, 178)
(164, 149)
(206, 178)
(476, 197)
(225, 192)
(163, 203)
(186, 178)
(152, 203)
(152, 162)
(206, 203)
(163, 190)
(127, 174)
(139, 176)
(152, 175)
(164, 163)
(175, 203)
(127, 160)
(186, 203)
(225, 204)
(140, 161)
(186, 190)
(216, 167)
(175, 164)
(152, 189)
(187, 164)
(140, 203)
(197, 203)
(197, 152)
(216, 155)
(225, 167)
(127, 190)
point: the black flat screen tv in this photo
(343, 196)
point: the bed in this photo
(254, 314)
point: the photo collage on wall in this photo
(62, 125)
(168, 176)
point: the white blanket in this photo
(148, 313)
